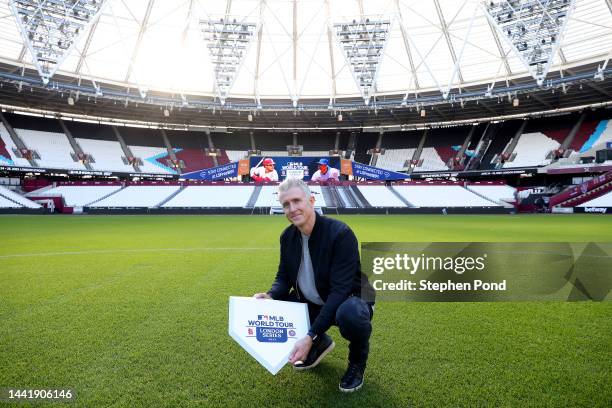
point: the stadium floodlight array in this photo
(228, 43)
(51, 28)
(363, 42)
(533, 28)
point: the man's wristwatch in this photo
(312, 335)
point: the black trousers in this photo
(354, 319)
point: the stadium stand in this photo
(446, 143)
(33, 122)
(268, 197)
(441, 145)
(189, 148)
(9, 196)
(137, 196)
(6, 203)
(194, 159)
(237, 140)
(596, 140)
(77, 195)
(94, 131)
(135, 136)
(501, 193)
(394, 159)
(10, 159)
(314, 141)
(274, 141)
(150, 157)
(431, 161)
(235, 155)
(500, 141)
(5, 156)
(531, 150)
(53, 148)
(441, 195)
(315, 153)
(380, 196)
(365, 142)
(283, 153)
(211, 196)
(222, 158)
(601, 201)
(544, 136)
(274, 153)
(586, 191)
(402, 140)
(107, 155)
(319, 197)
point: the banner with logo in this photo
(267, 329)
(302, 167)
(214, 173)
(375, 173)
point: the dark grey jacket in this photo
(334, 252)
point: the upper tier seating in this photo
(9, 146)
(9, 195)
(441, 196)
(5, 156)
(431, 161)
(236, 155)
(318, 141)
(53, 148)
(272, 141)
(76, 196)
(106, 154)
(138, 196)
(149, 157)
(194, 159)
(596, 141)
(394, 159)
(380, 196)
(531, 150)
(211, 196)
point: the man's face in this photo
(323, 168)
(269, 167)
(298, 207)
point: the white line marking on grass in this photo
(114, 251)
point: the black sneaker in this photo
(352, 380)
(320, 347)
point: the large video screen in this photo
(302, 167)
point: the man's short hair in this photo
(294, 182)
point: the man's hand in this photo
(300, 350)
(262, 296)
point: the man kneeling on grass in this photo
(319, 265)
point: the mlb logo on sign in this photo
(267, 329)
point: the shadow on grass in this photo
(319, 387)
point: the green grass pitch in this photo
(131, 311)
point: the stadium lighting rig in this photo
(228, 43)
(363, 42)
(533, 28)
(51, 28)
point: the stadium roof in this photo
(297, 54)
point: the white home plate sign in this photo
(267, 329)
